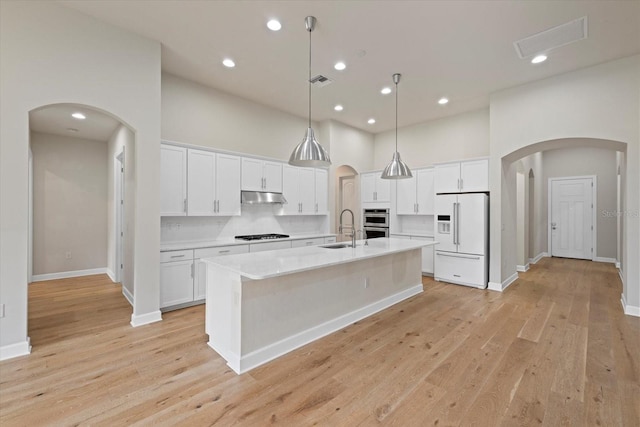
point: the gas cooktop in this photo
(262, 236)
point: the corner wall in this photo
(50, 54)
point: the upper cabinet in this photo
(261, 175)
(374, 189)
(462, 177)
(198, 182)
(173, 180)
(305, 189)
(415, 196)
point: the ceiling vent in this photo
(552, 38)
(320, 80)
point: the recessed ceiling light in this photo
(72, 129)
(371, 121)
(340, 66)
(274, 25)
(78, 116)
(228, 63)
(338, 107)
(385, 90)
(538, 59)
(442, 101)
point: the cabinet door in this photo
(252, 174)
(447, 178)
(200, 280)
(176, 283)
(474, 175)
(367, 187)
(173, 181)
(202, 183)
(307, 242)
(424, 191)
(383, 189)
(406, 196)
(228, 185)
(272, 173)
(307, 190)
(322, 192)
(290, 190)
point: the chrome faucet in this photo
(353, 226)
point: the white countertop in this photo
(230, 241)
(417, 234)
(263, 265)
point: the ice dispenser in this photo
(444, 224)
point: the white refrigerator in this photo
(462, 231)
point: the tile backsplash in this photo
(256, 219)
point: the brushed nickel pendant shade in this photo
(309, 152)
(397, 169)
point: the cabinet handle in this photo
(177, 256)
(316, 207)
(225, 251)
(218, 206)
(417, 207)
(185, 205)
(309, 243)
(461, 183)
(192, 270)
(457, 256)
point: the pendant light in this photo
(309, 152)
(397, 169)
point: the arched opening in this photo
(81, 212)
(529, 169)
(347, 195)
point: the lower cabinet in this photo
(270, 246)
(308, 242)
(427, 252)
(200, 279)
(176, 278)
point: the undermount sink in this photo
(337, 246)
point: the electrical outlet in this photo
(67, 255)
(366, 282)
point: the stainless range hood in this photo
(261, 198)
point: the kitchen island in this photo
(260, 306)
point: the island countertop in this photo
(264, 265)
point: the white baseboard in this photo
(629, 310)
(128, 295)
(145, 319)
(618, 265)
(15, 350)
(499, 287)
(604, 259)
(67, 274)
(522, 268)
(538, 257)
(621, 276)
(111, 275)
(277, 349)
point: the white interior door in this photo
(571, 220)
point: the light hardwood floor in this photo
(553, 349)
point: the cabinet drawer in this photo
(176, 255)
(330, 239)
(221, 250)
(462, 269)
(307, 242)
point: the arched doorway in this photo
(347, 195)
(81, 204)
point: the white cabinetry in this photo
(462, 177)
(270, 246)
(200, 278)
(373, 188)
(213, 184)
(427, 252)
(415, 196)
(308, 242)
(261, 175)
(304, 194)
(173, 180)
(176, 278)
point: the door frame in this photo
(118, 187)
(594, 209)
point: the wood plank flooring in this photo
(553, 349)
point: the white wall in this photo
(597, 102)
(463, 136)
(50, 54)
(69, 203)
(589, 161)
(122, 138)
(200, 115)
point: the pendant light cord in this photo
(310, 30)
(396, 117)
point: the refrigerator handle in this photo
(458, 223)
(455, 223)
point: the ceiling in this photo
(459, 49)
(56, 119)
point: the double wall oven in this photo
(375, 223)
